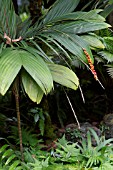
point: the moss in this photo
(49, 128)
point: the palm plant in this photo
(25, 49)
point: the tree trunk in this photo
(35, 8)
(16, 94)
(15, 6)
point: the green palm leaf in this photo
(107, 10)
(10, 65)
(79, 15)
(77, 27)
(7, 18)
(93, 41)
(31, 87)
(73, 44)
(60, 8)
(64, 76)
(37, 69)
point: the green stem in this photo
(16, 94)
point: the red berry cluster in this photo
(90, 64)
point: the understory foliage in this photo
(66, 155)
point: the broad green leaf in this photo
(79, 15)
(38, 70)
(93, 41)
(77, 27)
(106, 55)
(31, 88)
(10, 65)
(64, 76)
(60, 8)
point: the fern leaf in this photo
(7, 153)
(10, 159)
(14, 165)
(2, 149)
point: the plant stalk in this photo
(16, 94)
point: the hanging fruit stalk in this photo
(92, 67)
(90, 64)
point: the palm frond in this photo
(10, 65)
(79, 15)
(31, 87)
(60, 8)
(77, 27)
(108, 9)
(93, 41)
(73, 44)
(7, 18)
(37, 69)
(23, 28)
(40, 51)
(64, 76)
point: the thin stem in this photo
(16, 94)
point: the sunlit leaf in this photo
(10, 65)
(64, 76)
(93, 41)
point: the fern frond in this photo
(9, 160)
(105, 33)
(110, 70)
(106, 55)
(29, 139)
(108, 42)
